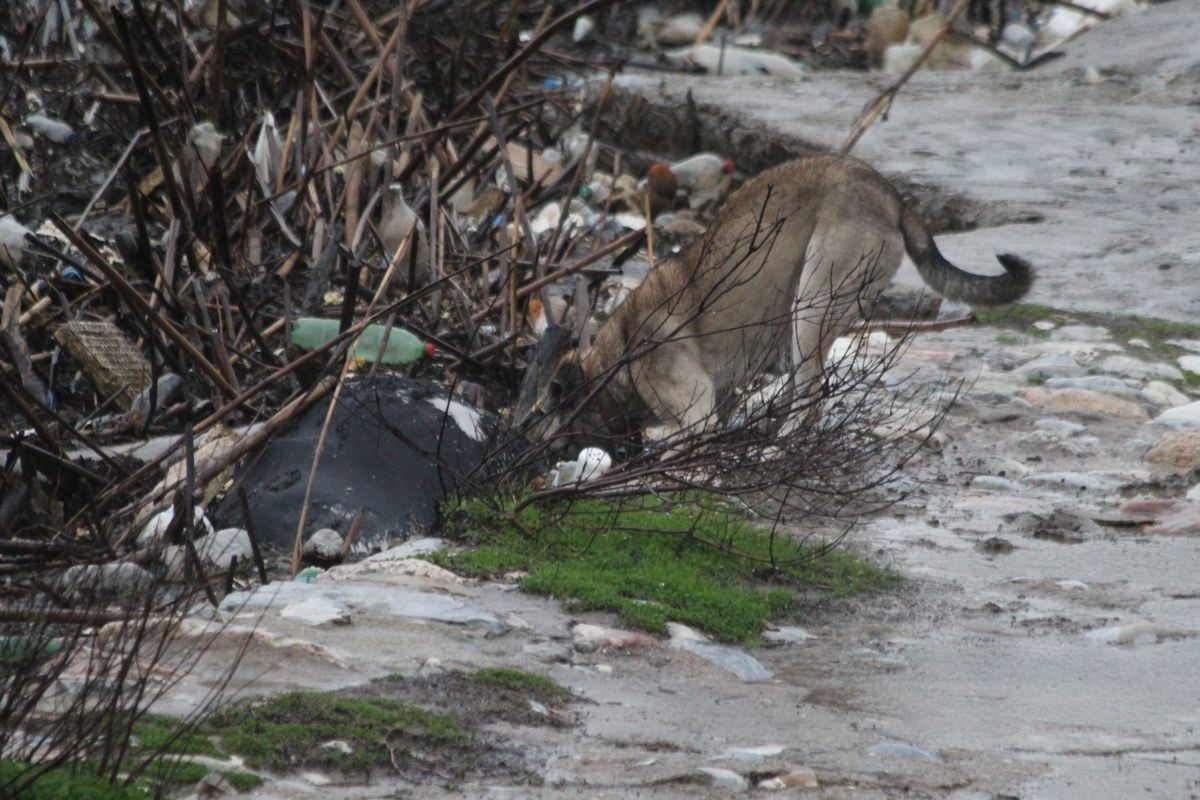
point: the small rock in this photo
(1072, 586)
(1044, 325)
(1051, 365)
(1186, 344)
(316, 778)
(213, 785)
(1059, 427)
(1181, 416)
(105, 580)
(340, 745)
(1194, 494)
(220, 548)
(1178, 450)
(1189, 364)
(1080, 481)
(602, 638)
(725, 778)
(1163, 394)
(152, 532)
(417, 567)
(323, 546)
(1096, 383)
(1173, 517)
(787, 635)
(901, 750)
(993, 483)
(317, 611)
(994, 546)
(1082, 401)
(797, 777)
(1138, 343)
(538, 708)
(1077, 333)
(1142, 370)
(1140, 633)
(746, 667)
(999, 465)
(754, 754)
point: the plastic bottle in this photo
(402, 346)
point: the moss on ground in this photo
(156, 733)
(515, 680)
(655, 560)
(1157, 333)
(63, 783)
(287, 731)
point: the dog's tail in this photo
(955, 284)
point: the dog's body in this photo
(802, 249)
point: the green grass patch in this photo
(286, 732)
(171, 771)
(161, 734)
(518, 681)
(64, 783)
(243, 781)
(655, 560)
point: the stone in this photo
(104, 580)
(1081, 401)
(754, 754)
(746, 667)
(1186, 344)
(317, 611)
(901, 750)
(1177, 450)
(152, 532)
(1172, 517)
(1001, 466)
(1051, 365)
(993, 483)
(598, 637)
(220, 548)
(1140, 633)
(1181, 416)
(402, 603)
(1142, 343)
(338, 745)
(1044, 325)
(1194, 493)
(1163, 394)
(725, 778)
(1058, 427)
(416, 567)
(1096, 383)
(787, 635)
(324, 545)
(1189, 364)
(1080, 481)
(1076, 333)
(797, 777)
(1139, 369)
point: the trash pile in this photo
(217, 216)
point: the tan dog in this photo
(803, 249)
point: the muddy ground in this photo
(1045, 644)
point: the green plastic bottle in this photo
(402, 346)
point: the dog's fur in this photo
(805, 248)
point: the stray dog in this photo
(794, 256)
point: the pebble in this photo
(220, 548)
(1004, 467)
(1072, 586)
(1189, 363)
(317, 611)
(787, 635)
(746, 667)
(325, 545)
(1181, 416)
(754, 754)
(1137, 368)
(1194, 494)
(1163, 394)
(1051, 365)
(1186, 344)
(725, 778)
(340, 745)
(901, 750)
(1080, 481)
(993, 483)
(797, 777)
(1177, 450)
(1044, 325)
(1173, 517)
(1139, 633)
(1138, 343)
(1096, 383)
(1082, 401)
(1077, 333)
(598, 637)
(1059, 427)
(104, 579)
